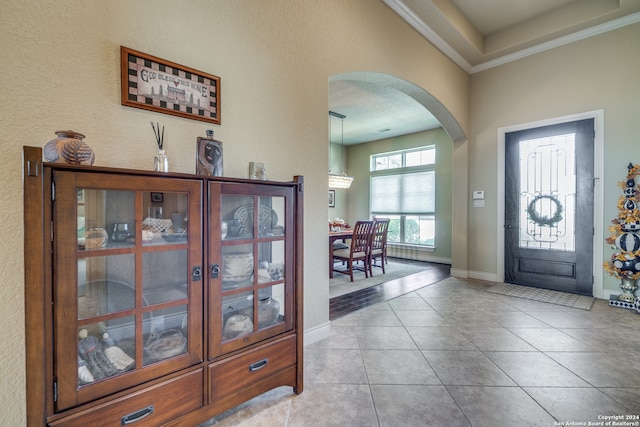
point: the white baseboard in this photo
(483, 275)
(460, 274)
(317, 333)
(470, 274)
(415, 253)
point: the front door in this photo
(549, 207)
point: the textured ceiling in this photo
(374, 111)
(477, 35)
(491, 16)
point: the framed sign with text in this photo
(158, 85)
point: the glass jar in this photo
(161, 162)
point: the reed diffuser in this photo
(161, 161)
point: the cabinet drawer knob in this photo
(136, 416)
(259, 364)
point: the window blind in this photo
(410, 193)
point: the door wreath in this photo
(542, 220)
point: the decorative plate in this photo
(165, 344)
(267, 217)
(237, 267)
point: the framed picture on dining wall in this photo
(332, 198)
(163, 86)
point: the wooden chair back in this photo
(379, 244)
(362, 234)
(379, 237)
(358, 251)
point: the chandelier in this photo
(338, 180)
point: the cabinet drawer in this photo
(235, 373)
(149, 407)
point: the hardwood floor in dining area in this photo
(344, 304)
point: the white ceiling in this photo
(476, 35)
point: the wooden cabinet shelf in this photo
(140, 283)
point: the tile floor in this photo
(342, 305)
(452, 354)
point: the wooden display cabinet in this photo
(143, 287)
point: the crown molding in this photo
(560, 41)
(419, 25)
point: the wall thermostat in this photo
(478, 195)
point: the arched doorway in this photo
(421, 96)
(352, 93)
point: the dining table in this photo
(343, 235)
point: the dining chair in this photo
(379, 244)
(357, 251)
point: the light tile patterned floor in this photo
(452, 354)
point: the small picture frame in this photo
(332, 198)
(209, 160)
(257, 171)
(163, 86)
(157, 197)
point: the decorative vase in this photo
(235, 227)
(161, 162)
(120, 232)
(628, 286)
(237, 325)
(95, 238)
(637, 305)
(69, 147)
(268, 311)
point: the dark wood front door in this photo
(549, 207)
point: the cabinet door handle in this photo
(136, 416)
(259, 364)
(196, 273)
(215, 270)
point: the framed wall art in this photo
(162, 86)
(332, 198)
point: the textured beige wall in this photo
(596, 73)
(60, 68)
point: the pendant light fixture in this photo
(338, 180)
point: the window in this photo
(403, 189)
(423, 156)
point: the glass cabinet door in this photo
(127, 292)
(251, 286)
